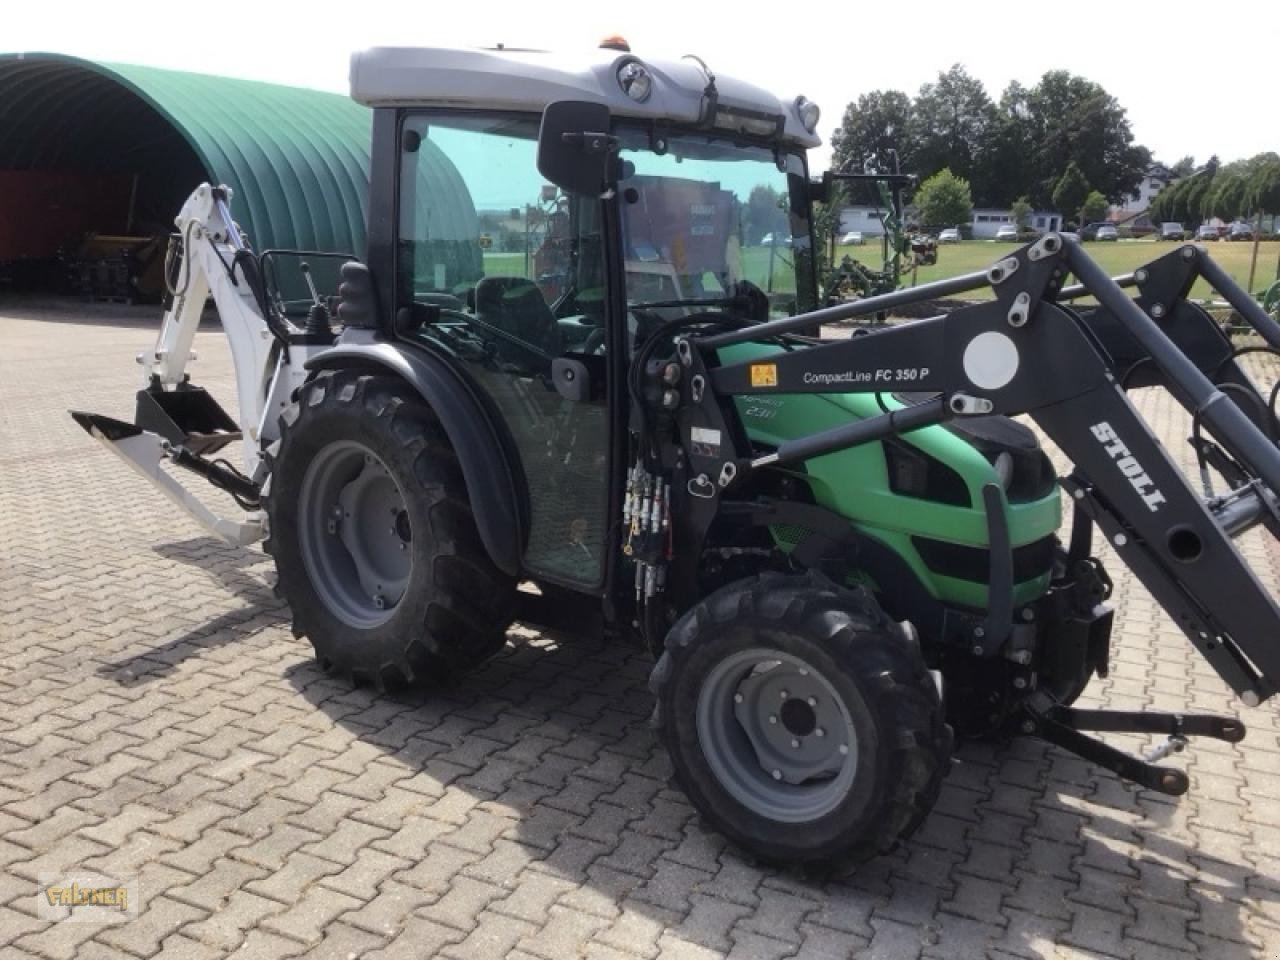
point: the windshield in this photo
(704, 215)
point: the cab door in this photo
(510, 272)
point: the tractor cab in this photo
(541, 293)
(539, 239)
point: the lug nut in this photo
(795, 743)
(737, 698)
(777, 774)
(782, 694)
(773, 718)
(813, 701)
(819, 732)
(844, 749)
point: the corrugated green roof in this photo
(297, 159)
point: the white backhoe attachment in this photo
(179, 424)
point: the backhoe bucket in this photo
(187, 416)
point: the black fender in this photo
(494, 479)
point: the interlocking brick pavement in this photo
(158, 720)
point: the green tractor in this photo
(841, 553)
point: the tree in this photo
(1021, 210)
(1198, 193)
(1068, 119)
(1184, 200)
(950, 124)
(871, 130)
(1264, 188)
(1094, 208)
(944, 200)
(1184, 167)
(764, 213)
(1228, 198)
(1006, 173)
(1071, 191)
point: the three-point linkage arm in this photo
(1022, 354)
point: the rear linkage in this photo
(1024, 353)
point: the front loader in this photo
(841, 553)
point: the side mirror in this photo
(575, 149)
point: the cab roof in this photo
(529, 80)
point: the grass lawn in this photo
(1122, 256)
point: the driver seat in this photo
(515, 306)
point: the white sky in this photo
(1196, 78)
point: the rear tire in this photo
(801, 721)
(375, 544)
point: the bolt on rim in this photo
(355, 534)
(776, 735)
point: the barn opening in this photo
(96, 159)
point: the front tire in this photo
(375, 545)
(801, 722)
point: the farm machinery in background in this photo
(1271, 300)
(902, 251)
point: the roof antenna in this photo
(710, 95)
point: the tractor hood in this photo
(683, 91)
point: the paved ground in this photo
(159, 722)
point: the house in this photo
(1157, 177)
(987, 221)
(863, 218)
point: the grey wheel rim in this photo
(354, 533)
(776, 735)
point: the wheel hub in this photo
(355, 533)
(786, 712)
(776, 735)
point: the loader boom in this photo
(1023, 354)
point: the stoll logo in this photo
(1129, 465)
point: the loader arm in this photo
(1021, 354)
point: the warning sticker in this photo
(764, 374)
